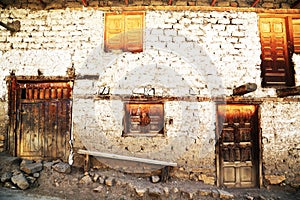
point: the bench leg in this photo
(86, 166)
(165, 174)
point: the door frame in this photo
(14, 103)
(259, 137)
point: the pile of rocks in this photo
(24, 173)
(140, 187)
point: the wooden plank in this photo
(254, 3)
(213, 2)
(244, 89)
(128, 158)
(290, 91)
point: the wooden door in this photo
(276, 64)
(238, 146)
(43, 119)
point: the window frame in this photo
(132, 117)
(131, 39)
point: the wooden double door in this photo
(40, 116)
(238, 146)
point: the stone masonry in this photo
(188, 54)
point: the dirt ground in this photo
(111, 184)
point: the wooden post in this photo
(86, 166)
(213, 2)
(254, 3)
(165, 174)
(290, 91)
(244, 89)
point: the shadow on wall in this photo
(182, 69)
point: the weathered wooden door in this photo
(238, 145)
(276, 64)
(43, 119)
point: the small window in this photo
(124, 31)
(144, 119)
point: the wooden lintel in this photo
(290, 91)
(127, 158)
(244, 89)
(213, 2)
(254, 3)
(296, 4)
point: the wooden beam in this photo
(244, 89)
(213, 2)
(290, 91)
(128, 158)
(254, 3)
(13, 27)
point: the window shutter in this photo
(134, 32)
(296, 35)
(114, 31)
(275, 56)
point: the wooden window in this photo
(144, 119)
(296, 35)
(124, 31)
(280, 38)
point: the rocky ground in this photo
(59, 180)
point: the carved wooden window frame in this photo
(134, 123)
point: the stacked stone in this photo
(25, 175)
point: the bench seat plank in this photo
(128, 158)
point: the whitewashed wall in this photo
(186, 54)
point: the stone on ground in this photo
(86, 180)
(155, 191)
(155, 179)
(6, 177)
(140, 191)
(98, 189)
(31, 168)
(225, 195)
(110, 181)
(20, 181)
(62, 167)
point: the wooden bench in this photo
(165, 170)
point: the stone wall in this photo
(3, 125)
(281, 141)
(191, 55)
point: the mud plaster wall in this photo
(186, 54)
(280, 140)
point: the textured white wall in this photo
(186, 54)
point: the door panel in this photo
(30, 139)
(276, 66)
(45, 118)
(238, 145)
